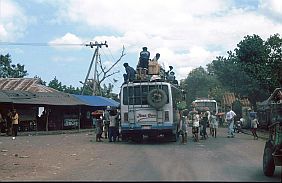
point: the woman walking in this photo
(254, 127)
(195, 125)
(214, 125)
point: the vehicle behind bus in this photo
(201, 104)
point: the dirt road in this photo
(78, 157)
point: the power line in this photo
(41, 44)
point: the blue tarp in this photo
(97, 101)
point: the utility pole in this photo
(97, 45)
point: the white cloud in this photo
(70, 41)
(272, 8)
(187, 34)
(177, 25)
(13, 21)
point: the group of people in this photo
(109, 124)
(10, 123)
(143, 65)
(230, 116)
(200, 120)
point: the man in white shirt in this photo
(230, 121)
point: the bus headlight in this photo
(166, 118)
(125, 115)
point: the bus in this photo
(200, 105)
(149, 108)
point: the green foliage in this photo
(9, 70)
(261, 60)
(105, 91)
(55, 84)
(182, 105)
(201, 84)
(253, 70)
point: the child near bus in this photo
(99, 129)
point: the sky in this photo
(49, 36)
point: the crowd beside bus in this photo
(106, 125)
(200, 120)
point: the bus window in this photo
(137, 95)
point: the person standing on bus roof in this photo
(130, 73)
(230, 121)
(144, 58)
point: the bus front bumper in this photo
(148, 129)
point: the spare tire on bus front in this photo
(157, 98)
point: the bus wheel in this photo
(124, 137)
(268, 162)
(137, 138)
(157, 98)
(174, 137)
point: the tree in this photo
(261, 60)
(102, 74)
(200, 83)
(274, 44)
(234, 79)
(55, 84)
(9, 70)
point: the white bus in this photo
(200, 104)
(150, 108)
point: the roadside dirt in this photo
(38, 157)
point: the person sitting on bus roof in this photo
(156, 58)
(171, 76)
(130, 73)
(144, 58)
(168, 72)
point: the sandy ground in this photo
(38, 157)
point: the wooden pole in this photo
(47, 118)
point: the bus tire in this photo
(268, 162)
(124, 137)
(157, 98)
(137, 138)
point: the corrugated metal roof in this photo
(24, 84)
(30, 91)
(276, 95)
(39, 98)
(228, 98)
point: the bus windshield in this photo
(212, 105)
(137, 95)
